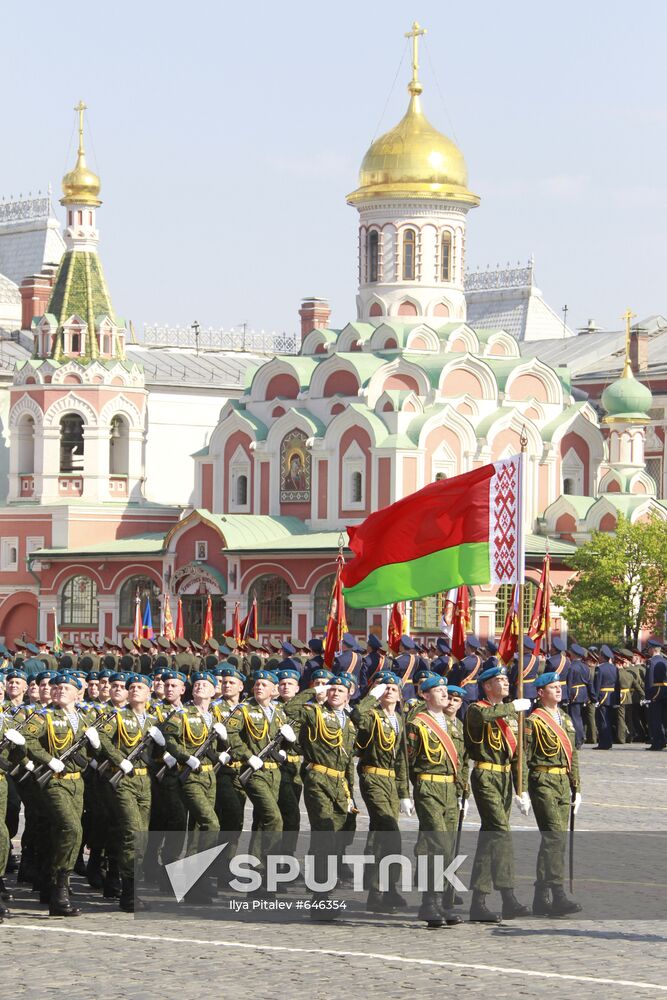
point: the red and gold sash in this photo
(564, 739)
(353, 663)
(411, 666)
(505, 729)
(377, 670)
(531, 664)
(473, 673)
(441, 735)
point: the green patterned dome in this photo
(627, 399)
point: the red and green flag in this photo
(464, 530)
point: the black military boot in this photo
(376, 902)
(4, 911)
(430, 911)
(61, 904)
(393, 898)
(94, 872)
(80, 864)
(479, 911)
(45, 890)
(541, 900)
(562, 906)
(5, 894)
(111, 884)
(128, 902)
(511, 905)
(26, 872)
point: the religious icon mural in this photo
(294, 469)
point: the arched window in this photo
(71, 443)
(409, 255)
(75, 342)
(26, 435)
(503, 598)
(274, 608)
(147, 589)
(356, 487)
(372, 254)
(119, 446)
(79, 602)
(355, 617)
(446, 257)
(568, 486)
(242, 491)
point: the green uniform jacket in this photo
(428, 756)
(544, 749)
(484, 739)
(184, 732)
(249, 730)
(122, 733)
(50, 735)
(378, 744)
(318, 735)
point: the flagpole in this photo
(520, 584)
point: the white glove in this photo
(56, 765)
(282, 755)
(156, 736)
(193, 763)
(224, 757)
(288, 733)
(522, 704)
(523, 803)
(93, 738)
(464, 805)
(126, 766)
(255, 762)
(577, 802)
(29, 765)
(378, 690)
(351, 808)
(15, 737)
(168, 759)
(92, 764)
(319, 688)
(406, 807)
(221, 730)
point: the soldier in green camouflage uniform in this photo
(12, 752)
(383, 780)
(490, 730)
(230, 797)
(291, 785)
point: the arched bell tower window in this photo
(119, 446)
(446, 257)
(26, 436)
(372, 254)
(71, 443)
(409, 241)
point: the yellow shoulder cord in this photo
(547, 740)
(433, 756)
(255, 733)
(190, 737)
(56, 743)
(333, 738)
(124, 736)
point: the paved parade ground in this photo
(106, 954)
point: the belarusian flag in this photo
(465, 530)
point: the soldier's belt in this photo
(140, 770)
(2, 777)
(293, 758)
(545, 769)
(606, 689)
(483, 765)
(69, 776)
(384, 772)
(321, 769)
(205, 767)
(440, 778)
(270, 765)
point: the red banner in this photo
(208, 621)
(461, 625)
(336, 624)
(509, 640)
(540, 622)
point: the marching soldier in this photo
(629, 688)
(383, 779)
(553, 782)
(606, 688)
(580, 691)
(531, 669)
(490, 729)
(291, 785)
(656, 694)
(466, 673)
(230, 795)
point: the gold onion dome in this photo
(81, 186)
(413, 159)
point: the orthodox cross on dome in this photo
(415, 86)
(628, 316)
(81, 107)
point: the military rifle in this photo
(270, 752)
(72, 753)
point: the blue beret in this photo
(321, 674)
(289, 673)
(578, 650)
(265, 675)
(92, 675)
(421, 672)
(559, 644)
(105, 674)
(65, 678)
(288, 648)
(453, 689)
(433, 682)
(407, 642)
(386, 677)
(172, 675)
(490, 672)
(549, 677)
(316, 646)
(120, 676)
(46, 675)
(14, 672)
(203, 675)
(32, 648)
(473, 642)
(606, 652)
(138, 679)
(346, 680)
(230, 671)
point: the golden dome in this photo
(414, 160)
(81, 186)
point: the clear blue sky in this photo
(227, 136)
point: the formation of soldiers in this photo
(99, 744)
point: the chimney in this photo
(638, 349)
(35, 296)
(314, 315)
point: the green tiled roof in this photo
(147, 544)
(80, 289)
(550, 429)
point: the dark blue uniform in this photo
(580, 692)
(531, 671)
(606, 690)
(405, 665)
(559, 664)
(464, 675)
(349, 662)
(655, 684)
(442, 665)
(371, 664)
